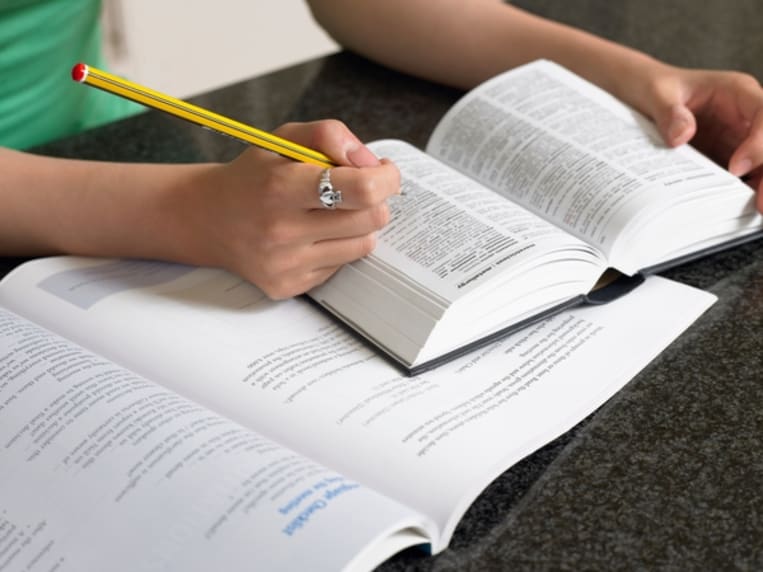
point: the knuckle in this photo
(373, 186)
(660, 86)
(394, 173)
(366, 245)
(327, 130)
(277, 280)
(379, 216)
(331, 125)
(366, 190)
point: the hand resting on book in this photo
(720, 112)
(259, 215)
(263, 219)
(465, 43)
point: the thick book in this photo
(157, 416)
(535, 188)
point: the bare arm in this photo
(58, 205)
(463, 42)
(258, 216)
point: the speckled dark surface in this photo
(668, 475)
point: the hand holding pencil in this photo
(262, 216)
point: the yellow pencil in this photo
(83, 73)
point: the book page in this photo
(450, 234)
(104, 470)
(573, 154)
(454, 248)
(297, 378)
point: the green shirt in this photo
(40, 41)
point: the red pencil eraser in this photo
(79, 72)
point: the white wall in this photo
(183, 47)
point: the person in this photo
(259, 215)
(463, 42)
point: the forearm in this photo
(259, 215)
(465, 42)
(92, 208)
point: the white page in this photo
(572, 153)
(103, 470)
(287, 371)
(454, 248)
(449, 234)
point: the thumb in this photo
(675, 122)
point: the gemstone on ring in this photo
(329, 197)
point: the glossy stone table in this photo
(668, 474)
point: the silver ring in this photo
(328, 196)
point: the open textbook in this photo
(531, 187)
(156, 416)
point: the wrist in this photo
(635, 79)
(178, 213)
(127, 210)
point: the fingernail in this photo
(741, 167)
(361, 156)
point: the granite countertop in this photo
(669, 473)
